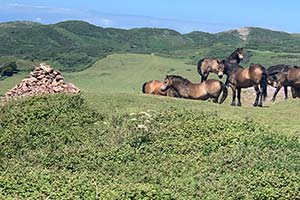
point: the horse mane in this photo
(234, 56)
(277, 68)
(184, 80)
(233, 53)
(143, 87)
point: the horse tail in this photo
(264, 84)
(143, 87)
(225, 92)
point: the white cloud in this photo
(19, 5)
(38, 19)
(106, 22)
(16, 5)
(60, 10)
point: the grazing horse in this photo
(239, 77)
(291, 77)
(273, 71)
(153, 87)
(202, 91)
(207, 65)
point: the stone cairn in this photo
(43, 80)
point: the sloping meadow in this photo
(58, 147)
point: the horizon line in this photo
(144, 27)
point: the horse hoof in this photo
(255, 104)
(259, 105)
(232, 104)
(239, 104)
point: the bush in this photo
(58, 147)
(8, 69)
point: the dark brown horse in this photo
(272, 73)
(291, 77)
(295, 92)
(210, 89)
(153, 87)
(207, 65)
(239, 77)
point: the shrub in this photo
(58, 147)
(8, 69)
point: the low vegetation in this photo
(59, 147)
(8, 69)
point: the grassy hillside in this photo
(72, 151)
(114, 84)
(112, 142)
(76, 45)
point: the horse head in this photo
(240, 53)
(221, 68)
(166, 84)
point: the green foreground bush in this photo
(57, 147)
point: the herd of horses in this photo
(237, 78)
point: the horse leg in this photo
(275, 93)
(215, 99)
(227, 81)
(260, 103)
(239, 97)
(233, 88)
(258, 94)
(285, 92)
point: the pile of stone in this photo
(43, 80)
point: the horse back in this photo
(293, 75)
(256, 72)
(208, 65)
(152, 87)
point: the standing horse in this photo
(207, 65)
(276, 69)
(273, 71)
(291, 77)
(238, 77)
(237, 56)
(295, 92)
(202, 91)
(153, 87)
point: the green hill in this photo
(75, 45)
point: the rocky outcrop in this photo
(43, 80)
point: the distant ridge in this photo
(74, 45)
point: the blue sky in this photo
(181, 15)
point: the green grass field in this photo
(117, 80)
(114, 84)
(122, 144)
